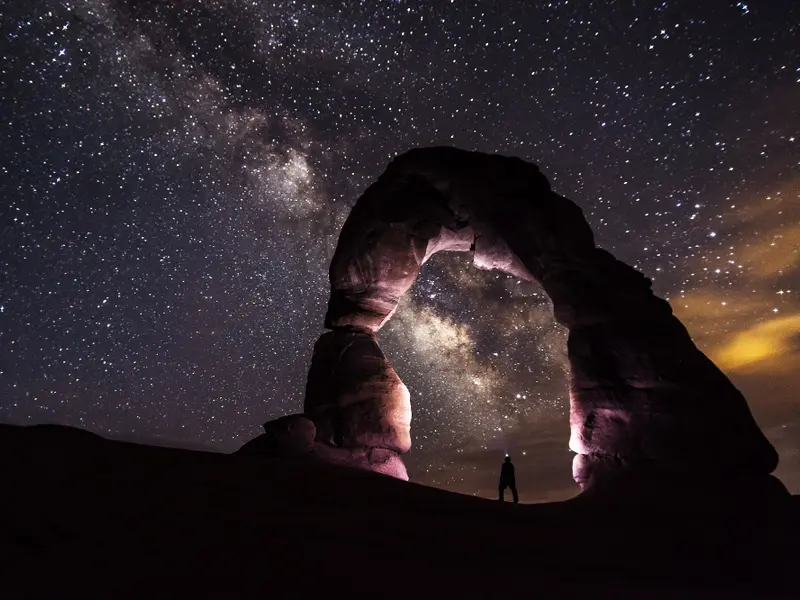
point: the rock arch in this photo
(642, 396)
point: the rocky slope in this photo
(91, 518)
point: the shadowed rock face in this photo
(205, 525)
(642, 396)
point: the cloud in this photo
(746, 329)
(749, 320)
(766, 230)
(775, 253)
(768, 346)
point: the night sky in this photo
(175, 175)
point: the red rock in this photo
(379, 460)
(354, 396)
(643, 397)
(287, 436)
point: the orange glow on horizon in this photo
(768, 345)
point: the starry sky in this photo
(174, 176)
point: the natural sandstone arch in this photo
(642, 396)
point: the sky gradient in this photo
(175, 175)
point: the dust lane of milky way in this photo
(175, 175)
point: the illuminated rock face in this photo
(642, 396)
(354, 396)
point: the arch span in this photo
(642, 396)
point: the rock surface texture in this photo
(642, 396)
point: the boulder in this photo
(287, 436)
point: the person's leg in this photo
(513, 487)
(502, 489)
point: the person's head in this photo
(508, 458)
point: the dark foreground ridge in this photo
(93, 518)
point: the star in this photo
(175, 177)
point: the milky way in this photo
(175, 174)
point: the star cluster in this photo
(174, 176)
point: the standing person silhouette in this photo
(507, 480)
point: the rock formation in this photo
(643, 398)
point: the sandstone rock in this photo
(296, 431)
(643, 485)
(354, 396)
(642, 395)
(287, 436)
(293, 437)
(382, 247)
(261, 445)
(379, 460)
